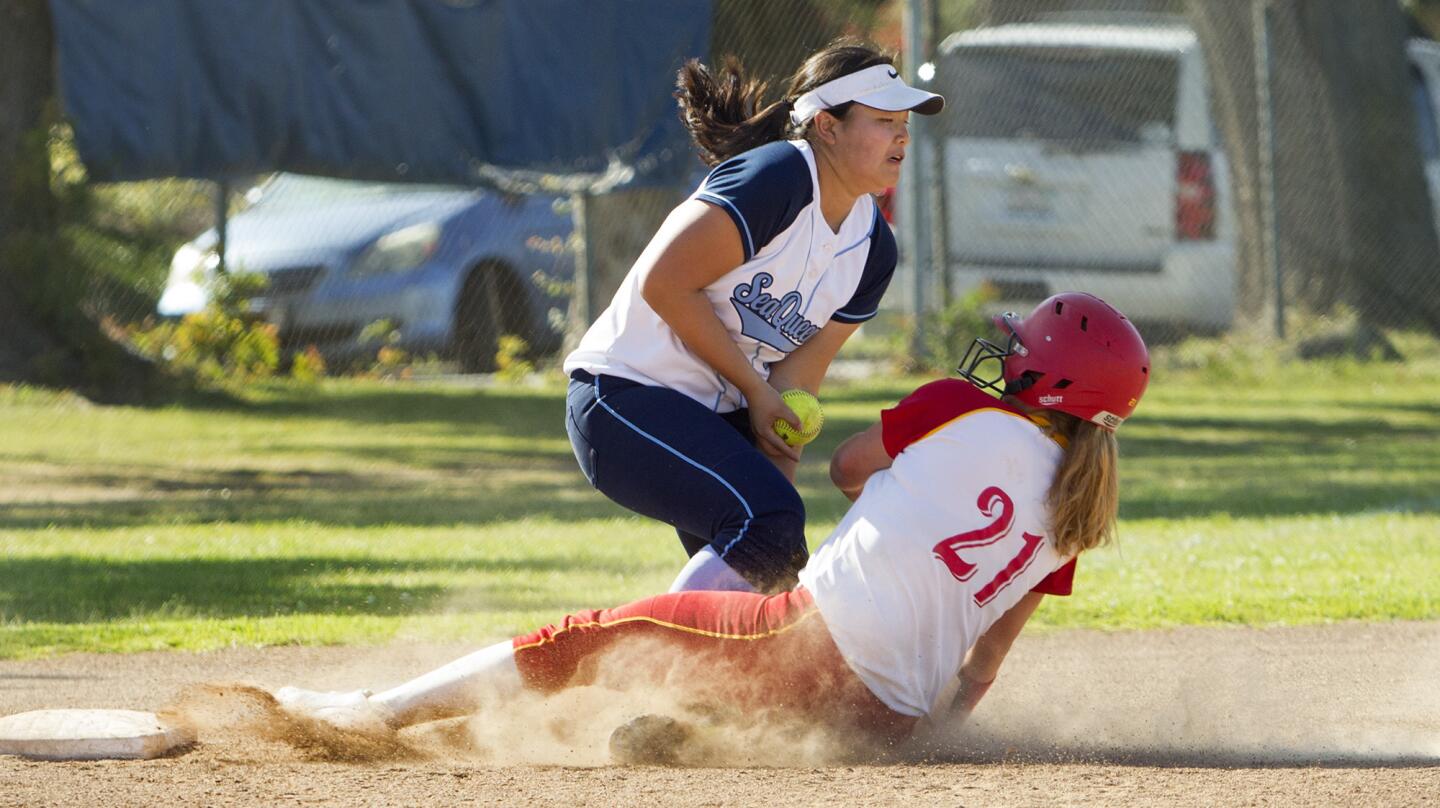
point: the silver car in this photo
(449, 269)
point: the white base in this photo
(88, 735)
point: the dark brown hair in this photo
(722, 109)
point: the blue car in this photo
(450, 269)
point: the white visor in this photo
(880, 87)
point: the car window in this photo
(1059, 94)
(1426, 131)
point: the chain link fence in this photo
(1180, 163)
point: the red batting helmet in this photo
(1073, 353)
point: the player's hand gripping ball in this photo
(807, 407)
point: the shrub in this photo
(224, 342)
(947, 334)
(307, 366)
(510, 362)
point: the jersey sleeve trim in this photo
(763, 190)
(747, 242)
(853, 318)
(1061, 582)
(875, 277)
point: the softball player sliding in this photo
(749, 288)
(968, 509)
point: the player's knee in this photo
(779, 519)
(777, 550)
(784, 519)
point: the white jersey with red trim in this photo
(940, 545)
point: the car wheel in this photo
(491, 303)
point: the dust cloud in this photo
(1107, 699)
(1178, 698)
(570, 728)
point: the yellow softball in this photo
(807, 407)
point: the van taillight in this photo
(1194, 197)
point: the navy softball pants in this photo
(662, 454)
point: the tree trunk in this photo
(27, 208)
(45, 338)
(1393, 274)
(25, 88)
(1353, 213)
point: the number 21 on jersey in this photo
(995, 503)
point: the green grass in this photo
(1255, 492)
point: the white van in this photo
(1084, 156)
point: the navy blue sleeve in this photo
(875, 279)
(763, 190)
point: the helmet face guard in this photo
(983, 350)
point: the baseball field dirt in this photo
(1344, 714)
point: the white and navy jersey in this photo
(939, 545)
(797, 275)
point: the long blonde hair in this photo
(1084, 496)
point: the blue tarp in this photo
(459, 91)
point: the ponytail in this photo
(722, 110)
(1084, 496)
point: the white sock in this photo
(456, 688)
(707, 571)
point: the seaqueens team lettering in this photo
(777, 322)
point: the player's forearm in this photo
(690, 316)
(968, 696)
(695, 247)
(982, 663)
(860, 456)
(786, 376)
(848, 482)
(806, 366)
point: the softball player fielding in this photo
(927, 580)
(749, 288)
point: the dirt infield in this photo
(1330, 715)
